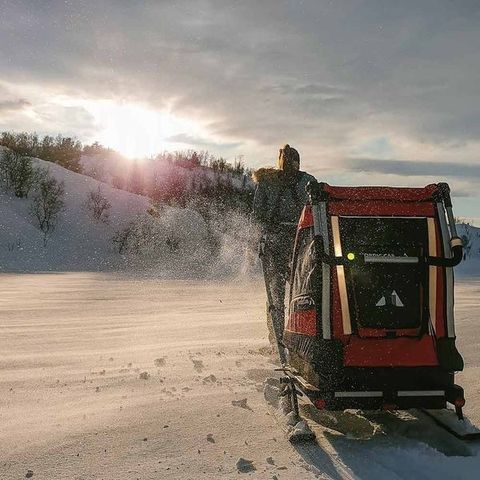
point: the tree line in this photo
(191, 179)
(145, 178)
(66, 151)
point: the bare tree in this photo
(98, 205)
(47, 203)
(17, 173)
(122, 238)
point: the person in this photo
(278, 203)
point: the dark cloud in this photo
(318, 74)
(196, 142)
(12, 105)
(408, 168)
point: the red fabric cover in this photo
(390, 352)
(382, 332)
(395, 194)
(371, 201)
(304, 322)
(306, 219)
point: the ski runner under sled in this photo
(370, 320)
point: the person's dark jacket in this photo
(279, 199)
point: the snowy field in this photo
(104, 376)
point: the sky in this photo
(369, 92)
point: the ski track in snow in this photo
(109, 376)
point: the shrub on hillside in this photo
(47, 203)
(170, 237)
(17, 173)
(98, 205)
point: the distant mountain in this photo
(471, 257)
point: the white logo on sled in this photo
(392, 299)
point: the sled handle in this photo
(362, 259)
(457, 251)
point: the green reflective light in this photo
(351, 256)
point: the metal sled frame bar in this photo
(421, 393)
(389, 259)
(358, 394)
(447, 252)
(384, 216)
(321, 228)
(342, 285)
(432, 273)
(401, 393)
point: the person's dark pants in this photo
(275, 262)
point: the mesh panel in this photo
(385, 296)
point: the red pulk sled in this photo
(370, 321)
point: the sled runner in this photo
(370, 321)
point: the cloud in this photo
(199, 142)
(327, 77)
(12, 105)
(415, 168)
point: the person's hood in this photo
(267, 174)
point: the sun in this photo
(134, 130)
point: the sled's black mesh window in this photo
(385, 295)
(304, 264)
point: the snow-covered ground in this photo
(81, 243)
(115, 377)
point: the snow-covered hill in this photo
(79, 242)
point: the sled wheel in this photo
(459, 412)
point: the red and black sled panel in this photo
(372, 275)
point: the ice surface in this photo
(73, 406)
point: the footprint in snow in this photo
(245, 466)
(241, 403)
(210, 379)
(198, 365)
(160, 362)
